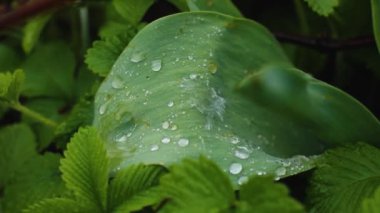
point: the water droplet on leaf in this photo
(137, 57)
(165, 140)
(154, 148)
(235, 168)
(183, 142)
(156, 65)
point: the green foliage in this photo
(344, 177)
(85, 168)
(32, 31)
(371, 204)
(10, 86)
(323, 7)
(222, 6)
(57, 205)
(262, 195)
(104, 53)
(375, 5)
(209, 189)
(131, 189)
(132, 10)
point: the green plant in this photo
(200, 111)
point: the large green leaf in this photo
(375, 5)
(344, 178)
(175, 93)
(85, 168)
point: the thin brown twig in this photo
(29, 9)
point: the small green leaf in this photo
(10, 57)
(10, 86)
(57, 205)
(148, 197)
(132, 10)
(323, 7)
(221, 6)
(103, 54)
(17, 145)
(344, 177)
(261, 194)
(85, 168)
(130, 183)
(32, 31)
(371, 204)
(197, 186)
(375, 5)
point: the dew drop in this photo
(122, 138)
(154, 148)
(212, 68)
(193, 76)
(137, 57)
(117, 83)
(242, 180)
(165, 140)
(242, 154)
(235, 140)
(170, 104)
(235, 168)
(156, 65)
(190, 57)
(165, 125)
(174, 127)
(103, 108)
(280, 171)
(183, 142)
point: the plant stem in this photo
(35, 115)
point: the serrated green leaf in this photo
(57, 205)
(130, 183)
(323, 7)
(132, 10)
(17, 145)
(103, 54)
(32, 31)
(85, 168)
(371, 204)
(196, 186)
(344, 177)
(49, 70)
(261, 194)
(221, 6)
(10, 86)
(38, 179)
(148, 197)
(375, 5)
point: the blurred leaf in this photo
(103, 54)
(17, 145)
(10, 86)
(261, 194)
(375, 5)
(208, 189)
(32, 31)
(49, 70)
(80, 116)
(221, 6)
(38, 179)
(9, 59)
(85, 168)
(371, 204)
(180, 4)
(130, 183)
(344, 178)
(323, 7)
(50, 108)
(132, 10)
(57, 205)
